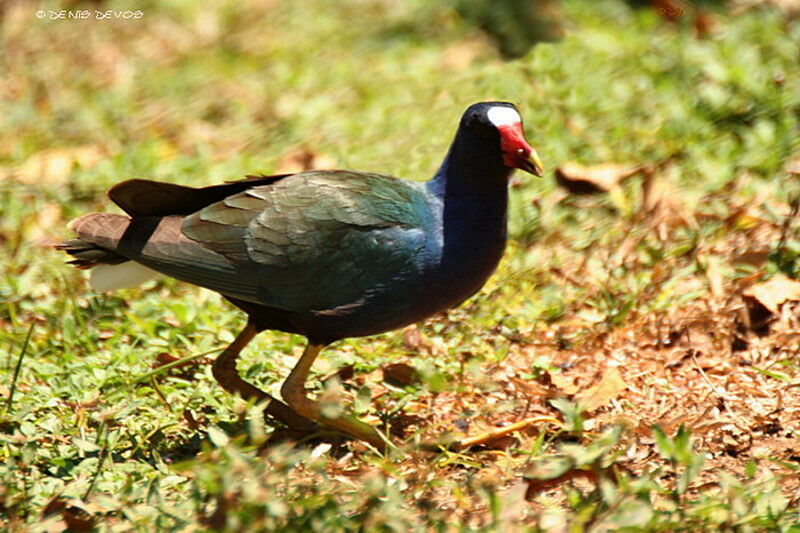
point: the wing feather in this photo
(318, 240)
(148, 198)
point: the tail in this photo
(95, 249)
(88, 255)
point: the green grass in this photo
(198, 93)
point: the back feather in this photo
(157, 199)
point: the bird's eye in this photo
(483, 129)
(520, 151)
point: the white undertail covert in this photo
(125, 275)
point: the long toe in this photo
(487, 438)
(294, 393)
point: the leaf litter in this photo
(700, 366)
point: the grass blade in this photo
(14, 379)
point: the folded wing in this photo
(315, 241)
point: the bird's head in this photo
(501, 122)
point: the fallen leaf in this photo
(579, 179)
(563, 383)
(344, 374)
(513, 499)
(553, 472)
(190, 420)
(670, 10)
(705, 24)
(745, 217)
(91, 404)
(412, 339)
(531, 388)
(773, 293)
(164, 358)
(403, 421)
(756, 258)
(662, 206)
(400, 374)
(75, 518)
(605, 390)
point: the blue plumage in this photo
(327, 254)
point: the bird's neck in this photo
(472, 186)
(471, 171)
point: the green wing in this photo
(317, 240)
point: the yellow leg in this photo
(224, 370)
(293, 392)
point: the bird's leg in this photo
(294, 393)
(224, 370)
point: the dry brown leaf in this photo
(714, 276)
(756, 258)
(705, 24)
(531, 388)
(412, 338)
(670, 10)
(564, 383)
(301, 160)
(343, 374)
(605, 390)
(774, 292)
(579, 179)
(164, 358)
(400, 374)
(75, 518)
(661, 203)
(401, 422)
(626, 250)
(536, 486)
(190, 420)
(746, 217)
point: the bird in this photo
(326, 254)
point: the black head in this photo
(501, 123)
(476, 117)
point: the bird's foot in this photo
(454, 444)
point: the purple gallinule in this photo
(325, 254)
